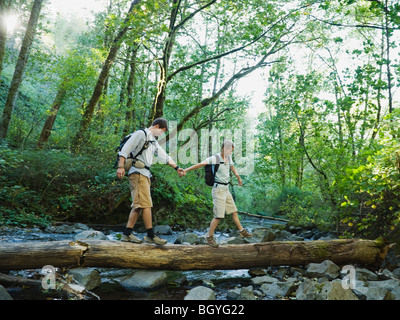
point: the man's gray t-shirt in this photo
(222, 174)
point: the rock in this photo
(90, 234)
(264, 234)
(65, 229)
(392, 285)
(280, 288)
(233, 294)
(88, 277)
(188, 237)
(396, 273)
(329, 290)
(282, 235)
(263, 279)
(200, 293)
(147, 280)
(324, 269)
(75, 228)
(385, 274)
(4, 295)
(163, 229)
(246, 293)
(80, 226)
(372, 290)
(365, 275)
(297, 271)
(257, 272)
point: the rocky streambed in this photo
(316, 281)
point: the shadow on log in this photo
(100, 253)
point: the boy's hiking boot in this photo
(211, 242)
(131, 238)
(155, 240)
(245, 234)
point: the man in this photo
(143, 146)
(222, 198)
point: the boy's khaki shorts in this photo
(223, 202)
(140, 191)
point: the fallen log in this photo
(262, 217)
(103, 253)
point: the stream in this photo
(179, 282)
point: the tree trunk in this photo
(19, 68)
(98, 90)
(99, 253)
(51, 118)
(3, 35)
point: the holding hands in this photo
(181, 172)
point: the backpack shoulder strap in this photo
(145, 145)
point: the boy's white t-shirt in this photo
(222, 174)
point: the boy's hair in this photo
(162, 123)
(227, 144)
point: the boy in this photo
(222, 198)
(139, 177)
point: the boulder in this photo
(200, 293)
(4, 295)
(75, 228)
(371, 290)
(90, 234)
(329, 290)
(65, 229)
(188, 237)
(88, 277)
(144, 279)
(163, 229)
(365, 275)
(233, 294)
(326, 269)
(246, 293)
(263, 279)
(280, 288)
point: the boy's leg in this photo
(236, 221)
(213, 225)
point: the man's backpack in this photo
(210, 171)
(131, 159)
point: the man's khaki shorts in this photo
(140, 191)
(223, 202)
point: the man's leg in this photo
(127, 235)
(133, 216)
(148, 223)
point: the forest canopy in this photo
(322, 142)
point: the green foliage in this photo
(371, 192)
(186, 201)
(54, 185)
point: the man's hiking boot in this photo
(245, 234)
(211, 242)
(155, 240)
(131, 238)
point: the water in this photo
(179, 282)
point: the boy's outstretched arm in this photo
(196, 166)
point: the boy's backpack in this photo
(129, 161)
(210, 171)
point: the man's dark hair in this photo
(162, 123)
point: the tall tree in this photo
(20, 67)
(98, 90)
(3, 32)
